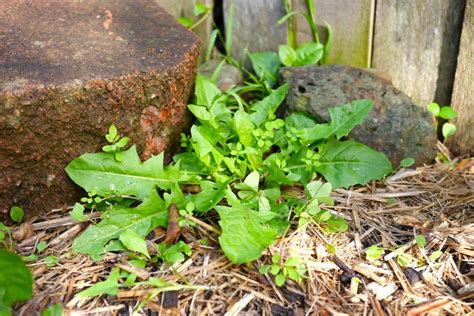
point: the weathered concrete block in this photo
(69, 69)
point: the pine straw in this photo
(433, 200)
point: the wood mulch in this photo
(436, 201)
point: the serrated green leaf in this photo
(245, 233)
(211, 194)
(206, 91)
(343, 119)
(134, 242)
(267, 107)
(348, 163)
(142, 219)
(107, 176)
(16, 280)
(243, 127)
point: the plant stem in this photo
(291, 29)
(312, 20)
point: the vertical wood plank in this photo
(352, 25)
(463, 92)
(255, 25)
(416, 44)
(185, 8)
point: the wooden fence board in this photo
(255, 25)
(463, 91)
(416, 44)
(185, 8)
(352, 25)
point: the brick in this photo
(68, 70)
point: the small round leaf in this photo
(16, 214)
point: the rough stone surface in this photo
(228, 77)
(69, 69)
(395, 126)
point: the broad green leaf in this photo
(53, 310)
(16, 281)
(77, 213)
(309, 54)
(245, 233)
(373, 253)
(266, 65)
(142, 219)
(174, 253)
(134, 242)
(206, 91)
(200, 8)
(448, 130)
(211, 194)
(331, 249)
(265, 108)
(189, 162)
(328, 45)
(300, 120)
(420, 240)
(348, 163)
(280, 279)
(244, 127)
(109, 286)
(407, 162)
(185, 21)
(287, 55)
(447, 113)
(107, 176)
(252, 180)
(112, 134)
(435, 255)
(320, 191)
(200, 112)
(16, 214)
(41, 246)
(434, 108)
(51, 261)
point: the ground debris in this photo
(434, 201)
